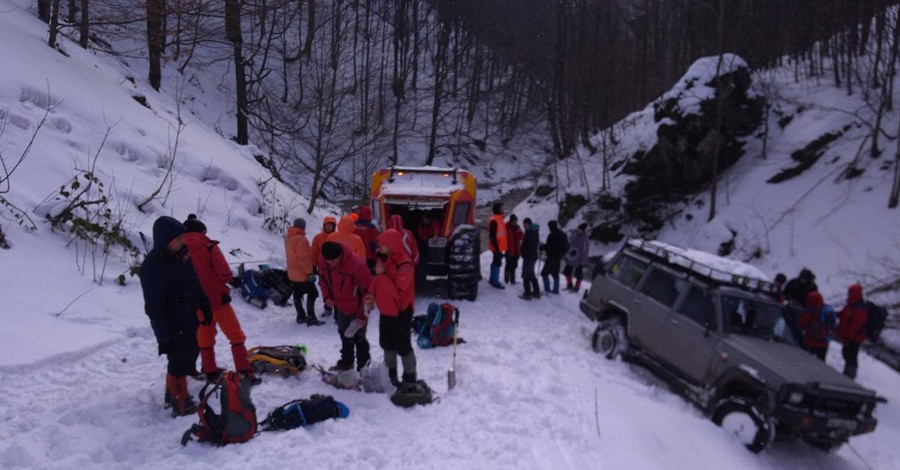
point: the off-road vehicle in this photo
(705, 325)
(446, 197)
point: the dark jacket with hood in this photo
(172, 292)
(556, 247)
(531, 242)
(798, 288)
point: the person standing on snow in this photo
(497, 244)
(346, 235)
(174, 300)
(513, 249)
(556, 246)
(851, 330)
(409, 240)
(797, 289)
(345, 279)
(393, 292)
(369, 235)
(328, 226)
(530, 253)
(300, 271)
(816, 322)
(576, 257)
(214, 275)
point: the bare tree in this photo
(156, 39)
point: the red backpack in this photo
(237, 420)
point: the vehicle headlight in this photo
(795, 398)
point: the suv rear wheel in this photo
(464, 264)
(745, 419)
(609, 338)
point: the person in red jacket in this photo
(214, 275)
(514, 237)
(393, 292)
(851, 330)
(816, 323)
(368, 233)
(344, 280)
(409, 240)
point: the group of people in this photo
(816, 323)
(510, 242)
(185, 281)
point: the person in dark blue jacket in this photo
(556, 247)
(530, 244)
(174, 300)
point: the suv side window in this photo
(628, 270)
(661, 286)
(698, 306)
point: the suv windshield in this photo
(754, 318)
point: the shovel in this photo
(451, 374)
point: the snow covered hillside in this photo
(81, 385)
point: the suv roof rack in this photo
(681, 258)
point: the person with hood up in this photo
(556, 246)
(174, 301)
(393, 292)
(851, 329)
(300, 271)
(329, 224)
(214, 275)
(368, 232)
(817, 324)
(497, 244)
(530, 253)
(796, 290)
(345, 280)
(409, 240)
(576, 257)
(514, 236)
(346, 235)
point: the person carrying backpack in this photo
(300, 271)
(345, 279)
(214, 275)
(393, 292)
(817, 323)
(530, 253)
(576, 257)
(851, 330)
(174, 301)
(514, 236)
(556, 246)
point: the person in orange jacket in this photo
(393, 292)
(497, 244)
(214, 275)
(300, 271)
(329, 224)
(851, 330)
(346, 235)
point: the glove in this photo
(236, 282)
(207, 317)
(407, 314)
(163, 347)
(312, 277)
(226, 299)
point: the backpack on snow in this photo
(410, 394)
(253, 288)
(875, 323)
(280, 289)
(283, 360)
(438, 326)
(236, 421)
(304, 412)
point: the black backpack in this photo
(304, 412)
(410, 394)
(236, 422)
(875, 323)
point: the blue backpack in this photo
(438, 327)
(253, 288)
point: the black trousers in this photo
(357, 343)
(394, 333)
(183, 353)
(851, 359)
(307, 289)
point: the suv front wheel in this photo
(609, 338)
(746, 420)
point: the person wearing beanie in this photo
(530, 244)
(214, 275)
(497, 243)
(300, 265)
(344, 280)
(576, 257)
(393, 292)
(175, 302)
(514, 235)
(329, 224)
(366, 230)
(851, 329)
(555, 248)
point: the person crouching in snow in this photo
(345, 279)
(214, 274)
(174, 300)
(393, 292)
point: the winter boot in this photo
(301, 318)
(177, 397)
(569, 285)
(249, 376)
(577, 285)
(342, 366)
(392, 373)
(546, 279)
(208, 361)
(242, 365)
(363, 357)
(409, 378)
(495, 278)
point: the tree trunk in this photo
(155, 38)
(54, 23)
(44, 7)
(84, 25)
(440, 64)
(233, 34)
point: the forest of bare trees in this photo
(332, 89)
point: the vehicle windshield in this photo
(755, 318)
